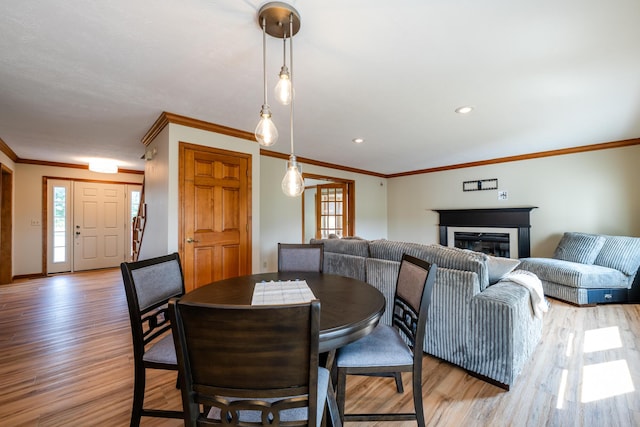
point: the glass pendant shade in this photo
(292, 183)
(266, 132)
(284, 89)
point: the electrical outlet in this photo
(264, 264)
(503, 195)
(35, 222)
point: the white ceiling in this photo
(82, 79)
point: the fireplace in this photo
(503, 232)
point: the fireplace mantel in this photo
(517, 217)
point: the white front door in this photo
(99, 225)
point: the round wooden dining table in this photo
(349, 308)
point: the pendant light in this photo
(266, 132)
(284, 89)
(273, 18)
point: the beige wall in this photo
(275, 217)
(594, 192)
(281, 216)
(27, 238)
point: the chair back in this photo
(256, 359)
(307, 257)
(412, 299)
(149, 284)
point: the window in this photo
(330, 210)
(134, 205)
(328, 207)
(59, 224)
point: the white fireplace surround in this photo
(512, 232)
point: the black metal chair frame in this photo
(148, 326)
(410, 321)
(312, 247)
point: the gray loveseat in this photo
(490, 331)
(588, 269)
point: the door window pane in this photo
(331, 210)
(59, 224)
(135, 206)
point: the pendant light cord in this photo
(291, 77)
(264, 57)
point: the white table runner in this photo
(281, 292)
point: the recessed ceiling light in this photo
(464, 109)
(358, 140)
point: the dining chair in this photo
(250, 365)
(307, 257)
(149, 284)
(390, 350)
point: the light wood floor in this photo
(66, 360)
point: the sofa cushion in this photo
(500, 267)
(579, 247)
(443, 256)
(344, 265)
(393, 251)
(357, 247)
(621, 253)
(575, 274)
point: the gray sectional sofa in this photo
(588, 269)
(489, 330)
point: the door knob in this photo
(191, 240)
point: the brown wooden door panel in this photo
(215, 239)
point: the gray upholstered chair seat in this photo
(162, 351)
(296, 414)
(382, 347)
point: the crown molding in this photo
(538, 155)
(165, 118)
(305, 160)
(71, 165)
(8, 151)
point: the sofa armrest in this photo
(505, 332)
(449, 321)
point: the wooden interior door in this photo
(215, 232)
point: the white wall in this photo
(594, 192)
(155, 240)
(27, 238)
(281, 216)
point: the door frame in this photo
(182, 147)
(6, 224)
(351, 200)
(45, 210)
